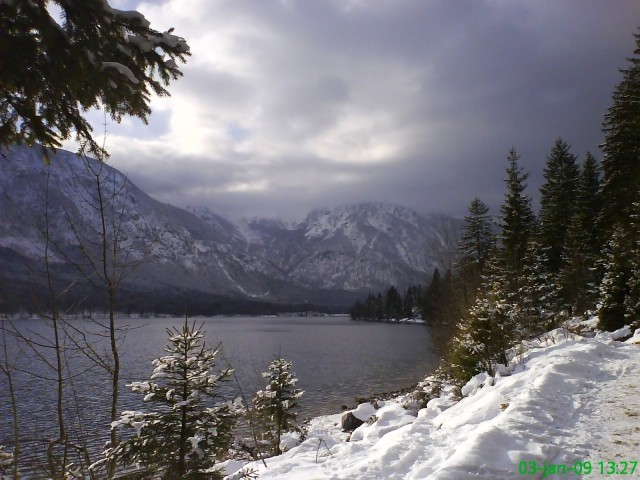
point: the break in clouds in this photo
(289, 105)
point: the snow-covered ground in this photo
(566, 407)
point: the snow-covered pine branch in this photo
(53, 70)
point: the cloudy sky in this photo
(287, 105)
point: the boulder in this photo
(350, 422)
(354, 418)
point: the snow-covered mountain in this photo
(357, 247)
(326, 258)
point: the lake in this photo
(334, 358)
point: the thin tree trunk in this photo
(182, 467)
(115, 378)
(111, 285)
(55, 317)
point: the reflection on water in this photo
(334, 358)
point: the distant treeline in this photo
(428, 303)
(25, 297)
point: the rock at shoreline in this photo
(354, 418)
(350, 422)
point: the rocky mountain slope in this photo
(326, 259)
(356, 247)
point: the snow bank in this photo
(565, 400)
(388, 418)
(364, 412)
(617, 335)
(635, 338)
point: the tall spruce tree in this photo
(475, 240)
(589, 204)
(615, 286)
(620, 287)
(516, 218)
(474, 244)
(621, 162)
(620, 195)
(578, 278)
(537, 302)
(632, 299)
(487, 331)
(558, 202)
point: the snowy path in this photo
(572, 401)
(612, 425)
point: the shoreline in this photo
(404, 321)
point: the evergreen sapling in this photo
(191, 425)
(275, 404)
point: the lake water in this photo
(334, 358)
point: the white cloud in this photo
(309, 98)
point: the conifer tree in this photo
(476, 239)
(393, 304)
(487, 331)
(578, 278)
(620, 287)
(54, 70)
(589, 204)
(558, 201)
(275, 404)
(615, 286)
(440, 307)
(621, 162)
(412, 301)
(537, 303)
(516, 218)
(431, 309)
(632, 300)
(191, 424)
(620, 195)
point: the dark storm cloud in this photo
(289, 105)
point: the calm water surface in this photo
(335, 359)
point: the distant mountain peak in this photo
(352, 248)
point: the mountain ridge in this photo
(332, 253)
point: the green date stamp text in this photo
(579, 468)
